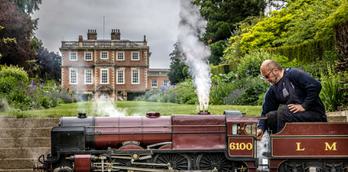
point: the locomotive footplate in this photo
(135, 169)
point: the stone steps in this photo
(22, 141)
(17, 170)
(25, 132)
(25, 142)
(28, 122)
(23, 152)
(18, 163)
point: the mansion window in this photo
(154, 83)
(88, 56)
(120, 56)
(73, 56)
(120, 76)
(104, 55)
(104, 76)
(135, 76)
(88, 76)
(135, 55)
(73, 76)
(166, 82)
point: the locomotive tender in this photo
(191, 143)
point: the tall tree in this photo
(27, 6)
(178, 70)
(49, 64)
(18, 26)
(222, 17)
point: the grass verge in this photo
(130, 108)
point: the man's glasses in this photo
(264, 77)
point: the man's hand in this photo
(259, 134)
(294, 108)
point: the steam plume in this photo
(105, 106)
(191, 27)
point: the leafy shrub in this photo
(247, 92)
(66, 97)
(249, 65)
(16, 90)
(221, 86)
(13, 86)
(184, 93)
(11, 71)
(330, 92)
(46, 95)
(4, 106)
(153, 95)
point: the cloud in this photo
(67, 19)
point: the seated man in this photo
(292, 97)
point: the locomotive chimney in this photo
(202, 112)
(81, 115)
(153, 114)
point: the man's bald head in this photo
(269, 65)
(271, 71)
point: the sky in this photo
(65, 20)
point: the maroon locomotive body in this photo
(191, 142)
(310, 146)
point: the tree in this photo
(222, 17)
(19, 27)
(217, 49)
(27, 6)
(178, 70)
(49, 64)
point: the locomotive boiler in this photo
(224, 143)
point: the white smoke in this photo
(191, 26)
(262, 148)
(105, 106)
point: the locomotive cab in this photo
(241, 139)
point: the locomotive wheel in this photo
(63, 169)
(317, 165)
(64, 166)
(209, 161)
(176, 161)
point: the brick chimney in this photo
(145, 41)
(80, 38)
(115, 34)
(92, 34)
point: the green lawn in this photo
(130, 108)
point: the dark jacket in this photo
(296, 87)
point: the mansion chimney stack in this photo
(80, 38)
(92, 34)
(115, 34)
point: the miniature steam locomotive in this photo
(191, 143)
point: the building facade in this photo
(158, 78)
(115, 68)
